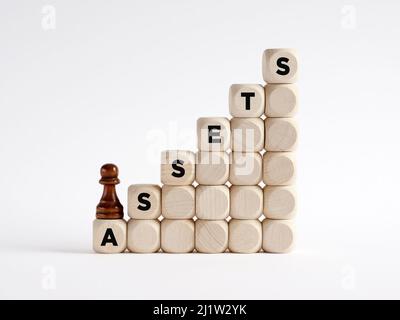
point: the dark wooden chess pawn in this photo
(109, 206)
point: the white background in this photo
(120, 81)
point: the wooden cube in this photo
(178, 202)
(279, 168)
(144, 236)
(246, 100)
(211, 236)
(279, 202)
(144, 201)
(280, 100)
(177, 236)
(280, 134)
(178, 167)
(212, 202)
(278, 236)
(280, 65)
(245, 169)
(109, 235)
(247, 134)
(214, 134)
(212, 168)
(246, 202)
(245, 236)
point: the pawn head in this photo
(109, 174)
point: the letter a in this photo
(109, 237)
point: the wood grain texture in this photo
(278, 236)
(144, 201)
(213, 134)
(144, 236)
(109, 235)
(279, 202)
(279, 168)
(178, 202)
(280, 65)
(212, 168)
(212, 202)
(245, 236)
(178, 167)
(245, 168)
(246, 202)
(280, 134)
(247, 134)
(281, 100)
(246, 100)
(211, 236)
(177, 236)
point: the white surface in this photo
(120, 82)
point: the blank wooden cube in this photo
(278, 236)
(144, 201)
(178, 167)
(246, 202)
(280, 134)
(144, 236)
(246, 100)
(245, 236)
(245, 168)
(109, 235)
(280, 65)
(211, 236)
(247, 134)
(212, 202)
(177, 236)
(178, 202)
(279, 202)
(212, 168)
(280, 100)
(213, 134)
(279, 168)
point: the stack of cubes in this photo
(279, 169)
(246, 105)
(144, 210)
(244, 169)
(212, 193)
(178, 201)
(148, 231)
